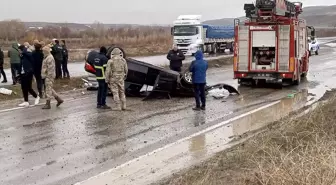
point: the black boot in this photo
(59, 101)
(196, 108)
(47, 105)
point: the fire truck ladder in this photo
(273, 9)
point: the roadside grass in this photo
(293, 151)
(59, 86)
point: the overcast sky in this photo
(125, 11)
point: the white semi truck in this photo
(190, 34)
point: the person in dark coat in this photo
(37, 55)
(26, 73)
(57, 52)
(2, 72)
(65, 70)
(100, 63)
(175, 56)
(198, 68)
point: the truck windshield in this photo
(185, 30)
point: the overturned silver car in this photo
(164, 82)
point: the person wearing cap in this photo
(48, 74)
(57, 52)
(175, 56)
(100, 63)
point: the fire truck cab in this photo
(271, 45)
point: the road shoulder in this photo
(298, 148)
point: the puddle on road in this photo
(188, 151)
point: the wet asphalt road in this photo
(75, 142)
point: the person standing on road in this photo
(37, 66)
(57, 52)
(14, 58)
(65, 70)
(116, 73)
(2, 72)
(48, 74)
(175, 56)
(26, 75)
(100, 63)
(198, 68)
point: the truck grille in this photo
(183, 41)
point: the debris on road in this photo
(6, 91)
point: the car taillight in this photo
(89, 68)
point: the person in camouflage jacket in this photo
(48, 74)
(116, 73)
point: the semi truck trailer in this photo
(190, 35)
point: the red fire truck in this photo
(271, 45)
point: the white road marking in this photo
(221, 124)
(18, 108)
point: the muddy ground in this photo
(298, 149)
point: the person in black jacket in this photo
(37, 55)
(2, 72)
(26, 73)
(57, 52)
(175, 56)
(65, 70)
(100, 63)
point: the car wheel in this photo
(316, 52)
(187, 77)
(110, 49)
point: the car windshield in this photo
(185, 30)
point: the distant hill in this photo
(318, 16)
(77, 26)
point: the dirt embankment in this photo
(293, 151)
